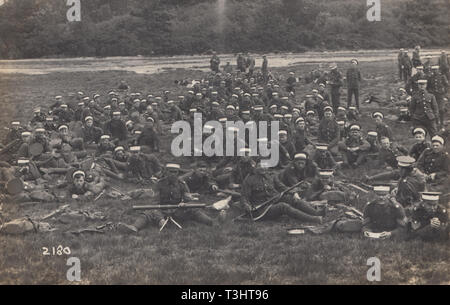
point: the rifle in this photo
(271, 201)
(228, 192)
(168, 206)
(9, 146)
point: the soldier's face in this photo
(328, 115)
(89, 123)
(437, 147)
(300, 164)
(422, 86)
(78, 182)
(26, 139)
(116, 117)
(378, 120)
(120, 155)
(24, 170)
(385, 143)
(322, 153)
(301, 125)
(172, 173)
(354, 133)
(419, 137)
(283, 138)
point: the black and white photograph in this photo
(246, 143)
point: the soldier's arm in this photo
(364, 146)
(185, 192)
(420, 160)
(279, 186)
(336, 138)
(412, 106)
(246, 194)
(435, 107)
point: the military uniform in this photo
(258, 188)
(354, 150)
(420, 226)
(329, 132)
(214, 63)
(407, 67)
(417, 149)
(384, 214)
(117, 129)
(416, 58)
(383, 130)
(300, 139)
(409, 187)
(438, 86)
(335, 82)
(431, 162)
(353, 80)
(324, 160)
(424, 111)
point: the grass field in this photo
(234, 253)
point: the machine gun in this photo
(169, 217)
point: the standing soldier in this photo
(265, 69)
(412, 86)
(251, 65)
(400, 64)
(335, 81)
(240, 62)
(438, 86)
(424, 109)
(353, 80)
(416, 57)
(407, 66)
(214, 62)
(444, 64)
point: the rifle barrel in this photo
(168, 206)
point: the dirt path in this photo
(150, 65)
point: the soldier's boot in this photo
(286, 209)
(359, 160)
(113, 175)
(380, 176)
(201, 217)
(140, 223)
(348, 225)
(111, 164)
(307, 208)
(59, 171)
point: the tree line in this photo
(39, 28)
